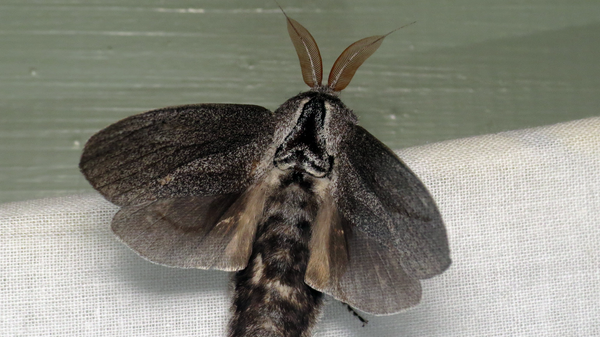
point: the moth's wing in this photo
(193, 150)
(382, 198)
(194, 232)
(359, 271)
(382, 229)
(182, 232)
(185, 177)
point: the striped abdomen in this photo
(271, 298)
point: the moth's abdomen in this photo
(271, 298)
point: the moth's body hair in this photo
(271, 297)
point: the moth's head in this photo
(331, 103)
(344, 67)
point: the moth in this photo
(299, 202)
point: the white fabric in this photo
(521, 210)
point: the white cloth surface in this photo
(521, 209)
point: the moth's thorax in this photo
(296, 185)
(308, 131)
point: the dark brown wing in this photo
(194, 232)
(382, 198)
(187, 180)
(193, 150)
(356, 269)
(379, 234)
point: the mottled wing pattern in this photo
(388, 226)
(185, 177)
(193, 232)
(193, 150)
(375, 281)
(181, 232)
(359, 271)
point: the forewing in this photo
(385, 202)
(192, 150)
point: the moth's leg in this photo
(356, 314)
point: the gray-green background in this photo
(70, 67)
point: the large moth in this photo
(297, 202)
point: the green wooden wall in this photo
(467, 67)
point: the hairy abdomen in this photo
(271, 298)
